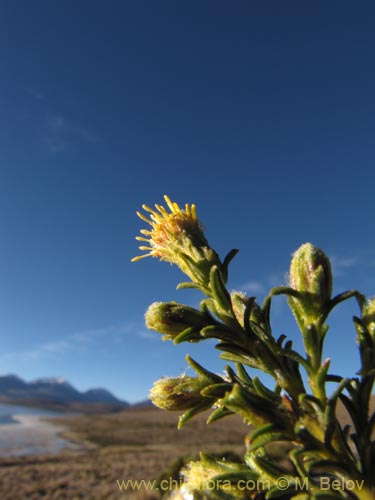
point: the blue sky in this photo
(261, 113)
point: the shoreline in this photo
(33, 434)
(136, 445)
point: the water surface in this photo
(8, 411)
(23, 432)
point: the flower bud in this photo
(200, 478)
(179, 393)
(171, 319)
(368, 316)
(310, 272)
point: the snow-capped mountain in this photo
(54, 390)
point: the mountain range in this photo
(57, 393)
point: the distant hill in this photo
(142, 404)
(57, 393)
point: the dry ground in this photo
(137, 444)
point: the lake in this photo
(23, 432)
(7, 411)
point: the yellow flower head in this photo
(176, 236)
(168, 229)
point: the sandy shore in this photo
(30, 435)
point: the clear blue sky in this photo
(261, 113)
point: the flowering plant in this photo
(324, 460)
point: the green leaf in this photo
(216, 332)
(216, 390)
(185, 417)
(234, 358)
(203, 372)
(230, 255)
(268, 438)
(261, 430)
(281, 339)
(330, 411)
(187, 284)
(236, 354)
(234, 349)
(326, 496)
(264, 391)
(261, 333)
(190, 334)
(322, 373)
(268, 468)
(266, 307)
(276, 492)
(297, 358)
(219, 290)
(246, 316)
(243, 375)
(242, 474)
(219, 413)
(351, 409)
